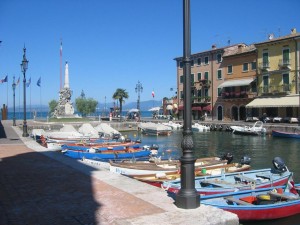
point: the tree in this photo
(52, 105)
(85, 106)
(120, 94)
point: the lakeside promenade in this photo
(44, 187)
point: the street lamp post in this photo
(187, 197)
(138, 89)
(14, 98)
(24, 67)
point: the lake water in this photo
(261, 149)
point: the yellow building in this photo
(277, 77)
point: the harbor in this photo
(261, 150)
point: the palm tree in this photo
(120, 94)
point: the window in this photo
(199, 61)
(229, 69)
(206, 60)
(199, 93)
(286, 56)
(181, 64)
(219, 92)
(253, 65)
(192, 62)
(181, 94)
(181, 79)
(266, 84)
(219, 57)
(192, 79)
(199, 76)
(285, 81)
(245, 67)
(205, 92)
(219, 74)
(206, 75)
(265, 59)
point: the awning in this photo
(234, 83)
(197, 108)
(206, 108)
(285, 101)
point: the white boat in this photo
(154, 129)
(256, 129)
(200, 128)
(174, 126)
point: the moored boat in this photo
(259, 204)
(277, 133)
(146, 167)
(256, 129)
(157, 179)
(108, 154)
(230, 182)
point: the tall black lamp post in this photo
(138, 89)
(24, 67)
(14, 97)
(187, 197)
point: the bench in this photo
(240, 202)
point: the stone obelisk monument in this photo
(64, 107)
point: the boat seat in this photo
(235, 200)
(283, 196)
(241, 177)
(265, 176)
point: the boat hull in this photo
(282, 134)
(268, 209)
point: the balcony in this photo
(284, 64)
(205, 83)
(235, 95)
(205, 99)
(283, 89)
(264, 66)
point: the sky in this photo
(117, 43)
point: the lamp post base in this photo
(25, 133)
(14, 122)
(187, 199)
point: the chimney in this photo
(214, 46)
(293, 31)
(240, 47)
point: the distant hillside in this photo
(144, 106)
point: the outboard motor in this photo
(154, 147)
(279, 165)
(127, 140)
(116, 136)
(138, 141)
(227, 156)
(245, 160)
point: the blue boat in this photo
(102, 148)
(106, 156)
(276, 133)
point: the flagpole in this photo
(30, 103)
(7, 96)
(19, 101)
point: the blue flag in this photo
(28, 83)
(38, 83)
(3, 80)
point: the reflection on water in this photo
(262, 151)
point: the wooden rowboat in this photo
(260, 204)
(146, 167)
(157, 179)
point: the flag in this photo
(60, 50)
(153, 94)
(28, 83)
(38, 83)
(3, 80)
(18, 81)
